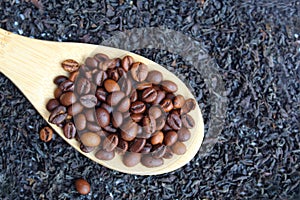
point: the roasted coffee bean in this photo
(100, 77)
(190, 104)
(169, 86)
(90, 139)
(101, 94)
(138, 107)
(170, 96)
(103, 117)
(117, 119)
(166, 105)
(86, 149)
(58, 115)
(113, 74)
(148, 161)
(126, 115)
(122, 73)
(155, 111)
(157, 138)
(166, 128)
(158, 151)
(101, 57)
(115, 97)
(80, 122)
(70, 65)
(125, 86)
(133, 96)
(69, 130)
(91, 62)
(137, 117)
(52, 104)
(110, 142)
(105, 155)
(184, 134)
(154, 77)
(83, 86)
(170, 138)
(122, 146)
(160, 122)
(168, 154)
(93, 127)
(143, 85)
(46, 134)
(107, 107)
(111, 85)
(82, 186)
(174, 121)
(178, 101)
(57, 93)
(160, 96)
(131, 159)
(139, 71)
(88, 101)
(67, 98)
(137, 145)
(73, 76)
(146, 149)
(129, 131)
(75, 109)
(175, 111)
(126, 63)
(149, 124)
(90, 115)
(110, 129)
(188, 121)
(67, 86)
(149, 95)
(88, 75)
(124, 105)
(178, 148)
(59, 79)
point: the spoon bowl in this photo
(33, 64)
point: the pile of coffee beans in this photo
(118, 105)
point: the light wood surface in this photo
(33, 64)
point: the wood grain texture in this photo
(33, 64)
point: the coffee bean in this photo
(133, 96)
(124, 105)
(137, 117)
(157, 138)
(137, 145)
(149, 95)
(91, 62)
(75, 109)
(67, 98)
(111, 85)
(174, 121)
(67, 86)
(149, 124)
(146, 149)
(103, 117)
(129, 130)
(88, 75)
(158, 151)
(122, 73)
(69, 130)
(143, 85)
(100, 77)
(160, 96)
(190, 104)
(168, 154)
(138, 107)
(183, 134)
(126, 115)
(90, 139)
(107, 64)
(125, 86)
(115, 97)
(70, 65)
(107, 107)
(169, 86)
(101, 57)
(86, 149)
(82, 186)
(57, 93)
(80, 122)
(117, 119)
(83, 86)
(155, 111)
(59, 79)
(154, 77)
(113, 74)
(88, 101)
(93, 128)
(160, 122)
(110, 129)
(170, 138)
(148, 161)
(110, 142)
(105, 155)
(166, 105)
(46, 134)
(90, 115)
(126, 63)
(58, 115)
(131, 159)
(178, 148)
(101, 94)
(73, 76)
(166, 128)
(52, 104)
(170, 96)
(178, 101)
(139, 71)
(122, 146)
(188, 121)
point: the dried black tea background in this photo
(256, 45)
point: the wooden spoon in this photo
(33, 64)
